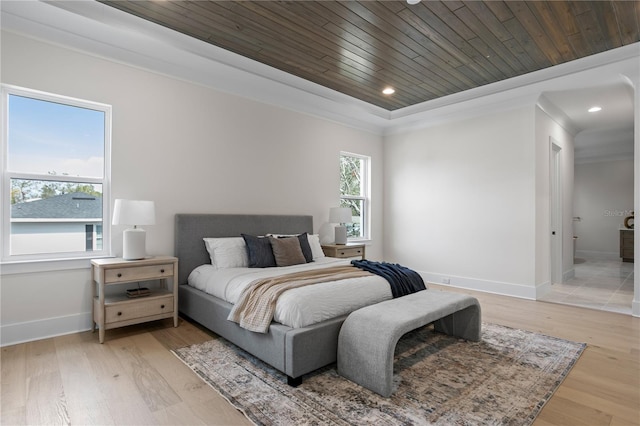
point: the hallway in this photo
(605, 285)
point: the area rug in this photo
(505, 379)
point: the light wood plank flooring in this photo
(133, 378)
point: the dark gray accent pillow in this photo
(259, 252)
(304, 245)
(306, 248)
(287, 251)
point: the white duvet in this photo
(301, 306)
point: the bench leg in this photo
(465, 324)
(368, 363)
(294, 381)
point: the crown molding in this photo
(106, 32)
(112, 34)
(599, 145)
(608, 67)
(557, 114)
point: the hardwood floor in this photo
(133, 378)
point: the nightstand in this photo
(343, 250)
(119, 310)
(626, 245)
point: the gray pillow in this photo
(287, 251)
(304, 245)
(259, 252)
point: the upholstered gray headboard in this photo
(190, 229)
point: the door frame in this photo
(556, 234)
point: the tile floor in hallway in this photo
(598, 284)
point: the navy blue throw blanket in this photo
(402, 280)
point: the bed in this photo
(294, 351)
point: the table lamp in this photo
(340, 215)
(135, 213)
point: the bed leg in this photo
(294, 381)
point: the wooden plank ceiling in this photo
(424, 51)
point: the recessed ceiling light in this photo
(413, 1)
(388, 91)
(595, 109)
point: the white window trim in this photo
(51, 261)
(366, 185)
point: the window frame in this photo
(7, 175)
(365, 196)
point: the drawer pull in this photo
(161, 306)
(162, 271)
(119, 275)
(119, 313)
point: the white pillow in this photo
(227, 252)
(316, 248)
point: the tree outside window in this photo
(354, 193)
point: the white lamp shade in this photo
(134, 212)
(340, 215)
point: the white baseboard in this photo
(567, 275)
(593, 254)
(11, 334)
(542, 289)
(496, 287)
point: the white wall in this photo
(460, 202)
(189, 148)
(603, 197)
(469, 201)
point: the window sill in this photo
(31, 266)
(359, 241)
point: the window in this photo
(55, 176)
(354, 193)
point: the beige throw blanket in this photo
(257, 302)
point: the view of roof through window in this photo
(55, 159)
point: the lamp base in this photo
(341, 234)
(134, 245)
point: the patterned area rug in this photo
(505, 379)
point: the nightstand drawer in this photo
(344, 251)
(141, 273)
(349, 252)
(138, 309)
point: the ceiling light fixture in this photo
(413, 1)
(595, 109)
(389, 91)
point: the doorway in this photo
(605, 150)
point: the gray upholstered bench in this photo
(368, 337)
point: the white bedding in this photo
(302, 306)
